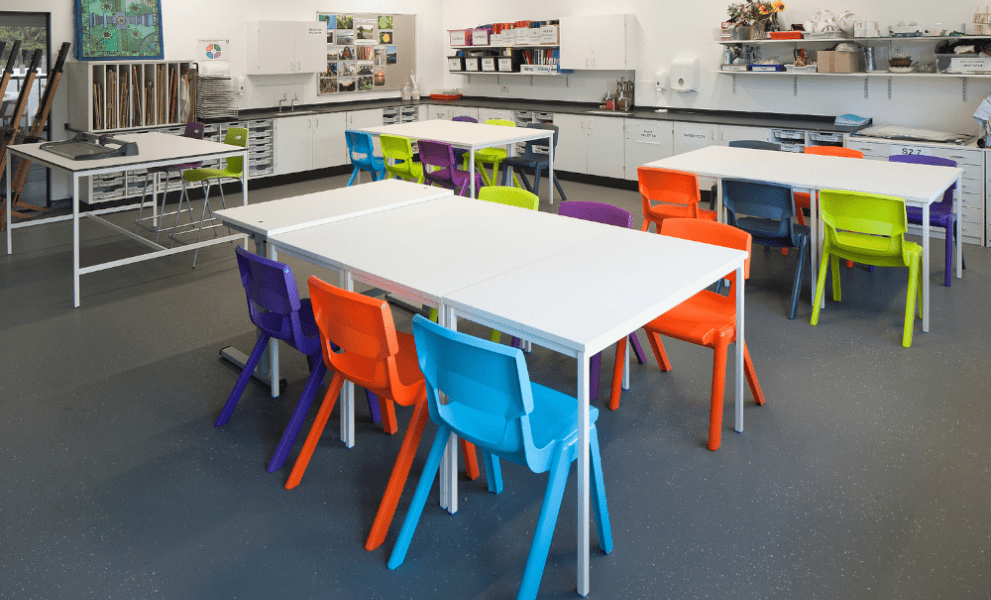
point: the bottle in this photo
(728, 56)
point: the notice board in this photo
(367, 52)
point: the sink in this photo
(609, 112)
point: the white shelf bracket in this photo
(866, 87)
(794, 86)
(734, 85)
(963, 83)
(889, 88)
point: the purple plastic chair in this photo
(447, 175)
(195, 130)
(276, 309)
(940, 213)
(609, 215)
(458, 152)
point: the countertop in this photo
(720, 117)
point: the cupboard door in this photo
(270, 47)
(293, 144)
(329, 144)
(571, 153)
(646, 141)
(578, 34)
(311, 47)
(605, 147)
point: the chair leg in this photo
(600, 507)
(910, 303)
(837, 292)
(718, 387)
(387, 408)
(796, 287)
(820, 288)
(471, 459)
(387, 508)
(373, 406)
(525, 181)
(557, 184)
(419, 497)
(594, 366)
(493, 472)
(748, 370)
(659, 354)
(948, 275)
(544, 530)
(617, 375)
(536, 181)
(298, 416)
(495, 336)
(242, 380)
(329, 399)
(637, 350)
(354, 175)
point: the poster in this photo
(363, 54)
(114, 29)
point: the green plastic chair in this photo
(234, 169)
(490, 156)
(509, 196)
(868, 229)
(400, 150)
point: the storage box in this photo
(830, 61)
(963, 63)
(489, 65)
(480, 37)
(460, 37)
(548, 35)
(471, 64)
(504, 64)
(455, 64)
(499, 39)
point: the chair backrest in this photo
(489, 398)
(834, 151)
(466, 119)
(675, 192)
(195, 130)
(510, 196)
(755, 145)
(439, 155)
(502, 122)
(273, 299)
(360, 147)
(396, 147)
(530, 150)
(920, 159)
(712, 232)
(764, 210)
(236, 136)
(364, 330)
(600, 212)
(866, 223)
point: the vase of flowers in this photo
(760, 15)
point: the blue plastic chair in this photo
(492, 403)
(600, 212)
(940, 213)
(362, 151)
(767, 212)
(276, 309)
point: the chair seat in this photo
(555, 417)
(204, 174)
(868, 258)
(938, 215)
(697, 320)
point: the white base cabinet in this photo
(590, 145)
(737, 133)
(309, 142)
(646, 141)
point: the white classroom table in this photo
(532, 274)
(471, 136)
(261, 221)
(155, 150)
(918, 185)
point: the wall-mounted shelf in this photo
(866, 75)
(481, 47)
(916, 38)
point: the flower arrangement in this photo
(755, 12)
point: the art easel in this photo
(34, 133)
(9, 133)
(10, 65)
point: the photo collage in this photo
(358, 49)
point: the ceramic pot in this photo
(743, 32)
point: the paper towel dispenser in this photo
(684, 74)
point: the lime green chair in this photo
(868, 229)
(509, 196)
(490, 156)
(400, 150)
(234, 169)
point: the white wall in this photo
(669, 28)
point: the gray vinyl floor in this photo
(865, 476)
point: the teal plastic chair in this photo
(361, 148)
(869, 229)
(492, 403)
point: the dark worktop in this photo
(719, 117)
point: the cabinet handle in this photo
(299, 66)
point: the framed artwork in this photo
(367, 52)
(115, 29)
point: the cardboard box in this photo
(838, 62)
(458, 37)
(480, 37)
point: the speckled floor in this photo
(865, 476)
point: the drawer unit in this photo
(975, 179)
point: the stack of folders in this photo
(851, 120)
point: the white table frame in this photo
(473, 137)
(918, 185)
(155, 150)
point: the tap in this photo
(292, 102)
(281, 100)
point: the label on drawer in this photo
(912, 150)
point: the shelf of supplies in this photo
(858, 74)
(837, 40)
(510, 73)
(480, 47)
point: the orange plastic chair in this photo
(802, 199)
(706, 319)
(676, 194)
(382, 360)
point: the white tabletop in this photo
(298, 212)
(597, 291)
(461, 133)
(153, 147)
